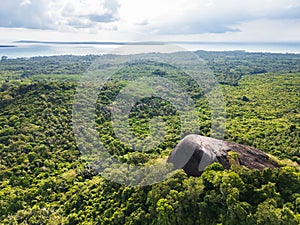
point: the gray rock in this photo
(194, 153)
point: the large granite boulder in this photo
(194, 153)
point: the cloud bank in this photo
(58, 14)
(214, 16)
(150, 19)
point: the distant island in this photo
(150, 42)
(88, 42)
(7, 46)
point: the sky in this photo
(150, 20)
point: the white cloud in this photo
(205, 16)
(25, 2)
(157, 19)
(24, 13)
(266, 30)
(57, 14)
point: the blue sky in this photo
(156, 20)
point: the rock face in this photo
(195, 152)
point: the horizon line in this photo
(149, 42)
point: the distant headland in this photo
(7, 46)
(88, 42)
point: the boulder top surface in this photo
(195, 152)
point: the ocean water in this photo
(31, 50)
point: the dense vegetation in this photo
(43, 179)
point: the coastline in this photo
(34, 48)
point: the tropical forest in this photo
(47, 178)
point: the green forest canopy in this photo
(44, 180)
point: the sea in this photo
(27, 50)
